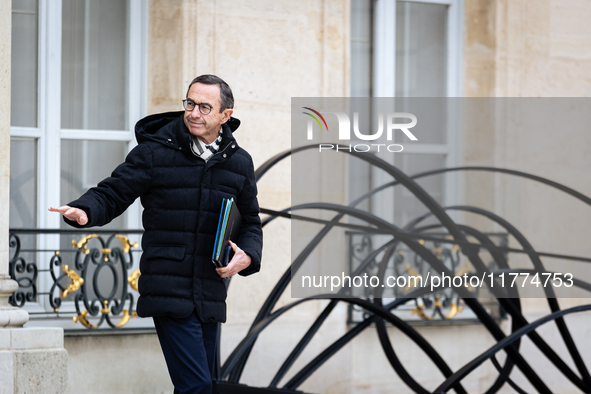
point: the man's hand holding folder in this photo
(239, 262)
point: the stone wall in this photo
(131, 364)
(526, 48)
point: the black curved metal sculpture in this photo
(228, 375)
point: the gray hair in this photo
(226, 96)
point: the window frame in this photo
(383, 81)
(48, 134)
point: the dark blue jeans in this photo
(189, 349)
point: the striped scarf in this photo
(204, 151)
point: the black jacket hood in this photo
(169, 129)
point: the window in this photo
(410, 49)
(77, 90)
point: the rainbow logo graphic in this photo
(316, 119)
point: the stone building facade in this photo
(270, 51)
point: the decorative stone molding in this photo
(9, 315)
(36, 360)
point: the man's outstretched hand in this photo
(240, 261)
(71, 213)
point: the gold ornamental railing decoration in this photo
(77, 281)
(133, 279)
(81, 318)
(99, 284)
(127, 245)
(437, 306)
(81, 244)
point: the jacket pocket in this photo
(227, 189)
(168, 252)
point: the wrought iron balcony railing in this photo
(91, 278)
(87, 276)
(437, 307)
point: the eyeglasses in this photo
(189, 105)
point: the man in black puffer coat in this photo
(185, 163)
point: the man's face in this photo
(206, 127)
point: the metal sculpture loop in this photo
(407, 253)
